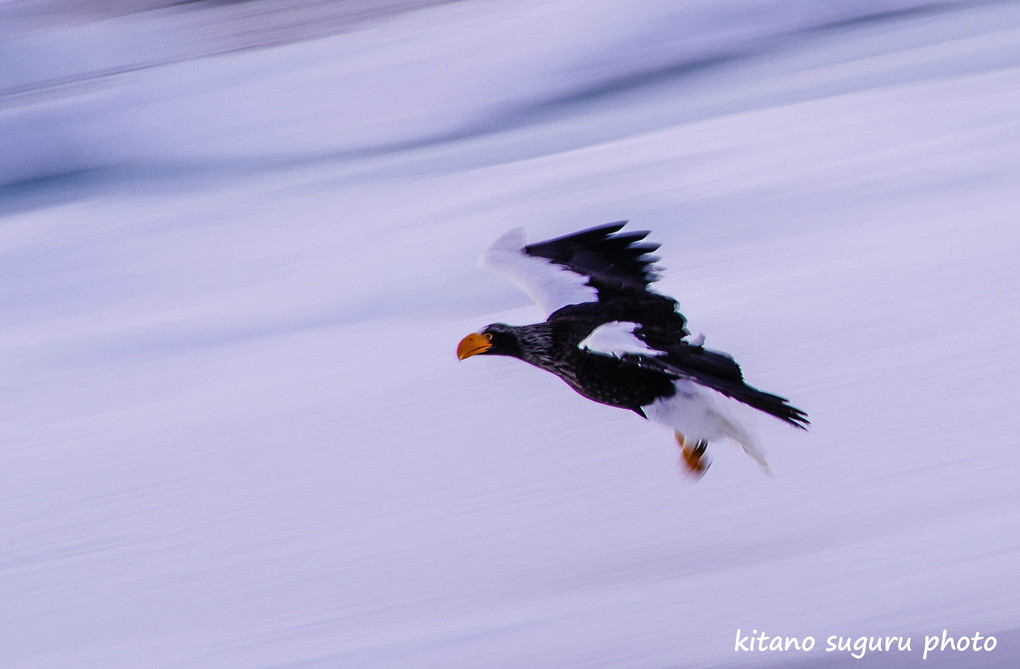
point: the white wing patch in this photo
(552, 286)
(616, 338)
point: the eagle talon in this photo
(694, 457)
(694, 464)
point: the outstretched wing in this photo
(610, 259)
(647, 347)
(594, 265)
(720, 372)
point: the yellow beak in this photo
(473, 344)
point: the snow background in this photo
(233, 429)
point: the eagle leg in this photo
(693, 455)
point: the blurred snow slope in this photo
(234, 432)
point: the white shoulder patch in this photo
(616, 339)
(552, 286)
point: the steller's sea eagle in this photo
(616, 342)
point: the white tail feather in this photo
(747, 440)
(699, 413)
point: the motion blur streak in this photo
(237, 247)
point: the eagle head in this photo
(495, 339)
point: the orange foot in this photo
(693, 456)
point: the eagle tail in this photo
(733, 429)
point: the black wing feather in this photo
(611, 261)
(620, 266)
(718, 371)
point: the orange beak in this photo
(473, 344)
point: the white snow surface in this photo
(234, 432)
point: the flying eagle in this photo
(615, 341)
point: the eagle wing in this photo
(647, 347)
(598, 265)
